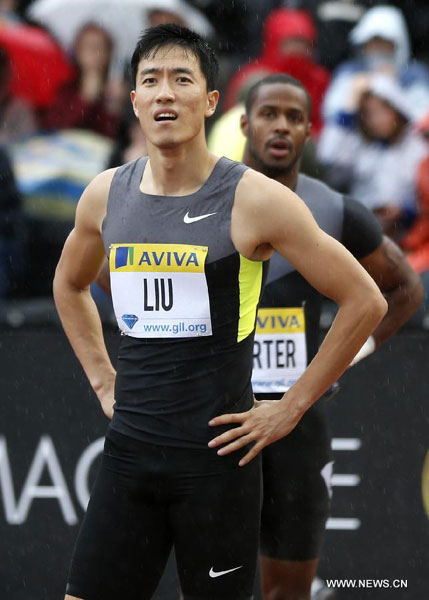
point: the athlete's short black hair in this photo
(160, 36)
(271, 79)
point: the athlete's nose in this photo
(281, 124)
(165, 92)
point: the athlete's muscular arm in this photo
(399, 283)
(80, 261)
(268, 216)
(103, 278)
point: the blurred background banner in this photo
(52, 170)
(52, 433)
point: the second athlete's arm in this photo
(399, 283)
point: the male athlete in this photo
(188, 236)
(296, 500)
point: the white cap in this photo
(386, 22)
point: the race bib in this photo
(160, 290)
(280, 349)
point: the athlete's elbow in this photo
(59, 289)
(375, 305)
(62, 285)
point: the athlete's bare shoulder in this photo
(92, 205)
(258, 194)
(263, 211)
(253, 182)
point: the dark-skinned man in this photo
(297, 468)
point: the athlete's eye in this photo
(148, 80)
(269, 114)
(183, 79)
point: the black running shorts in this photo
(296, 476)
(147, 498)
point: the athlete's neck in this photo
(177, 171)
(288, 177)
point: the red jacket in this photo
(416, 241)
(280, 25)
(71, 111)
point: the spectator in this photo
(382, 44)
(88, 102)
(17, 120)
(373, 152)
(289, 40)
(416, 242)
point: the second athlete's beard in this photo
(271, 171)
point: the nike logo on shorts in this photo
(188, 219)
(213, 573)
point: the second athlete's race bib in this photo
(160, 290)
(280, 349)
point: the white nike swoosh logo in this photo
(188, 219)
(220, 573)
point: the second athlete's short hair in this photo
(271, 79)
(170, 34)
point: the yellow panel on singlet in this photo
(250, 284)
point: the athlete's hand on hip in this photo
(107, 406)
(106, 396)
(262, 425)
(106, 393)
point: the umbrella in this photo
(38, 64)
(123, 19)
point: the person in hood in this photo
(373, 152)
(88, 101)
(289, 40)
(382, 44)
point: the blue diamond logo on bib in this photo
(130, 320)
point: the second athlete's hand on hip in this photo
(266, 422)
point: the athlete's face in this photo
(171, 99)
(277, 127)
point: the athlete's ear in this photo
(212, 100)
(244, 124)
(133, 102)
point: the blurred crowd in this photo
(65, 113)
